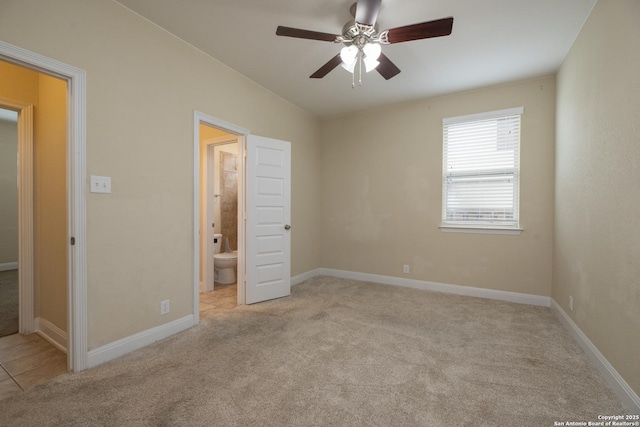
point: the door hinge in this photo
(73, 241)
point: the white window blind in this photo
(481, 169)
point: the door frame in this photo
(26, 291)
(241, 133)
(77, 340)
(209, 207)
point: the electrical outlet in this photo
(406, 268)
(570, 303)
(164, 306)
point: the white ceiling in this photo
(493, 42)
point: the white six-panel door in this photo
(268, 239)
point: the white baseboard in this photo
(9, 266)
(439, 287)
(628, 397)
(128, 344)
(52, 333)
(125, 345)
(296, 280)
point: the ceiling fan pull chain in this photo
(360, 69)
(353, 80)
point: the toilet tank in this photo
(217, 243)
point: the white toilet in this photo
(224, 263)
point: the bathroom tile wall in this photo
(229, 198)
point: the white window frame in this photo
(481, 226)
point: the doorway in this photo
(209, 131)
(9, 305)
(220, 166)
(73, 247)
(264, 214)
(38, 200)
(33, 224)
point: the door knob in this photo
(287, 227)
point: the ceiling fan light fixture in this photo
(349, 56)
(371, 52)
(370, 64)
(350, 67)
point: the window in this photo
(481, 170)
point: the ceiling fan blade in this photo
(386, 68)
(424, 30)
(367, 11)
(305, 34)
(326, 68)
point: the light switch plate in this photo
(100, 184)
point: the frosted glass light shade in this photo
(370, 64)
(372, 52)
(349, 56)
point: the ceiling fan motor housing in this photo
(358, 34)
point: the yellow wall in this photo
(143, 85)
(382, 191)
(48, 95)
(597, 238)
(208, 132)
(50, 187)
(18, 84)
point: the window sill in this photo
(480, 230)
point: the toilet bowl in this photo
(224, 263)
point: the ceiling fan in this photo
(362, 41)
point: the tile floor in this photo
(223, 297)
(27, 361)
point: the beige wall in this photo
(382, 190)
(142, 88)
(8, 192)
(597, 237)
(48, 96)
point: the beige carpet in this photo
(8, 302)
(339, 353)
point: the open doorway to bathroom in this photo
(220, 156)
